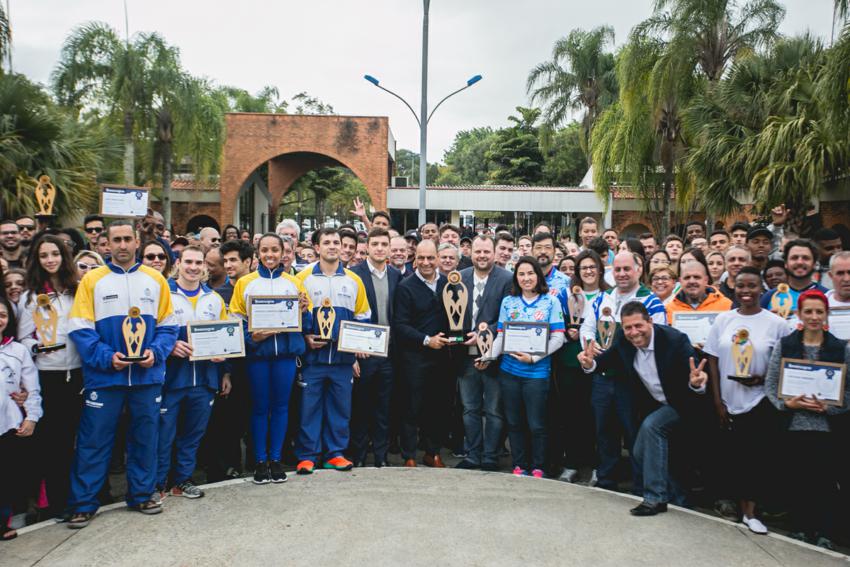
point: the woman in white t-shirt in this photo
(738, 348)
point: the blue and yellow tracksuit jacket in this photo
(348, 297)
(206, 306)
(268, 282)
(104, 298)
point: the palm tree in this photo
(580, 75)
(5, 38)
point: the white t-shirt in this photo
(766, 329)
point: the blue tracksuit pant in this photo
(96, 437)
(325, 411)
(193, 407)
(271, 385)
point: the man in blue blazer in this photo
(373, 388)
(487, 284)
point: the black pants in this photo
(56, 432)
(428, 386)
(572, 439)
(12, 454)
(811, 485)
(370, 409)
(748, 465)
(221, 447)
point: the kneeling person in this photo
(190, 386)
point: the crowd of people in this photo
(617, 377)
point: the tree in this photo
(565, 163)
(515, 152)
(466, 159)
(5, 38)
(580, 75)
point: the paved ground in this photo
(397, 516)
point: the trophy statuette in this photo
(455, 300)
(45, 195)
(742, 355)
(325, 317)
(133, 329)
(576, 304)
(484, 340)
(781, 303)
(47, 324)
(606, 327)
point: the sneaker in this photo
(755, 525)
(276, 470)
(305, 467)
(594, 480)
(187, 489)
(825, 543)
(519, 471)
(726, 509)
(261, 473)
(149, 508)
(339, 463)
(799, 536)
(159, 495)
(569, 475)
(459, 454)
(232, 473)
(537, 473)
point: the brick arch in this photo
(295, 144)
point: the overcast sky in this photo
(325, 47)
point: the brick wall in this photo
(182, 213)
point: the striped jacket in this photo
(615, 301)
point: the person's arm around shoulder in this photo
(165, 334)
(93, 351)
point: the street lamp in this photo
(423, 124)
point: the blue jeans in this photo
(612, 397)
(482, 414)
(529, 394)
(652, 448)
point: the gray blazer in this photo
(499, 284)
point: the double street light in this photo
(423, 112)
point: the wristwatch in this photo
(427, 341)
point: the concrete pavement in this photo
(396, 516)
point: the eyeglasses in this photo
(83, 267)
(662, 279)
(28, 227)
(587, 269)
(94, 229)
(215, 239)
(151, 257)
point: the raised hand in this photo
(586, 356)
(698, 377)
(359, 208)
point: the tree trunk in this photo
(166, 137)
(665, 204)
(129, 150)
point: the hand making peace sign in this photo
(698, 376)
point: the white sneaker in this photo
(755, 525)
(593, 479)
(569, 475)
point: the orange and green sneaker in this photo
(339, 463)
(305, 467)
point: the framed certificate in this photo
(695, 324)
(373, 340)
(530, 338)
(825, 380)
(216, 339)
(277, 313)
(124, 202)
(839, 322)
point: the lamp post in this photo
(423, 110)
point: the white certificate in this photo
(695, 324)
(216, 339)
(124, 201)
(823, 380)
(373, 340)
(278, 313)
(839, 322)
(530, 338)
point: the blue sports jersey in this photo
(544, 309)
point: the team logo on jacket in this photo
(147, 296)
(538, 315)
(93, 396)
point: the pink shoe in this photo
(537, 473)
(520, 472)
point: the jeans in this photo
(610, 397)
(529, 394)
(482, 414)
(651, 452)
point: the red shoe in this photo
(339, 463)
(433, 461)
(411, 463)
(305, 467)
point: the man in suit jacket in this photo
(419, 322)
(658, 362)
(487, 284)
(373, 388)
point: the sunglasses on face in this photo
(151, 257)
(83, 267)
(94, 229)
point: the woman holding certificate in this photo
(271, 353)
(738, 349)
(812, 467)
(43, 329)
(524, 377)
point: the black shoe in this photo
(276, 472)
(490, 467)
(382, 464)
(261, 473)
(647, 509)
(467, 465)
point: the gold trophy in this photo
(576, 304)
(325, 316)
(45, 194)
(455, 299)
(781, 302)
(606, 327)
(46, 323)
(484, 340)
(134, 328)
(742, 355)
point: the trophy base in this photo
(455, 337)
(134, 359)
(740, 378)
(576, 326)
(41, 349)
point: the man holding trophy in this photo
(123, 325)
